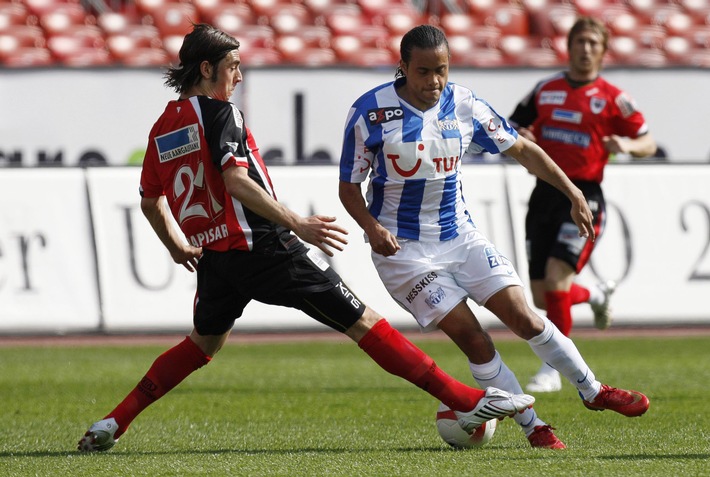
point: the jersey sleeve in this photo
(355, 159)
(628, 120)
(491, 132)
(150, 184)
(226, 137)
(525, 112)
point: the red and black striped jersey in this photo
(192, 142)
(570, 121)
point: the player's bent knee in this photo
(363, 325)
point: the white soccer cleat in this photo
(99, 437)
(602, 312)
(545, 382)
(496, 404)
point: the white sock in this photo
(546, 369)
(495, 373)
(560, 352)
(596, 295)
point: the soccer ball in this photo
(453, 434)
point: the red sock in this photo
(578, 294)
(559, 310)
(167, 371)
(399, 356)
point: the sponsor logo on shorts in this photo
(435, 297)
(569, 236)
(495, 259)
(315, 258)
(350, 296)
(421, 285)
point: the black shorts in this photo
(550, 231)
(286, 276)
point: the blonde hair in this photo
(588, 23)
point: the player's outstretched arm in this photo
(642, 146)
(535, 160)
(318, 230)
(156, 211)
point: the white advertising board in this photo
(47, 268)
(72, 260)
(141, 287)
(656, 245)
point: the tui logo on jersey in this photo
(383, 115)
(178, 143)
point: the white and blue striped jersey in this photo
(413, 157)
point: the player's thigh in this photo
(484, 270)
(419, 283)
(218, 303)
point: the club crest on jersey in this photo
(449, 124)
(383, 115)
(178, 143)
(597, 104)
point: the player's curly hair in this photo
(422, 36)
(588, 23)
(203, 43)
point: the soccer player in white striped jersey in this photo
(407, 138)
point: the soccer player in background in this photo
(203, 166)
(409, 136)
(578, 119)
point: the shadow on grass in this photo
(317, 450)
(305, 450)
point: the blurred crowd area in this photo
(354, 33)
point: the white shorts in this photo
(429, 279)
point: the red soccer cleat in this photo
(628, 403)
(544, 438)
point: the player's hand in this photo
(527, 133)
(323, 232)
(187, 256)
(616, 144)
(583, 218)
(382, 241)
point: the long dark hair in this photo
(203, 43)
(422, 36)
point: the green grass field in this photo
(323, 408)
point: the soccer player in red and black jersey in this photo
(203, 168)
(579, 119)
